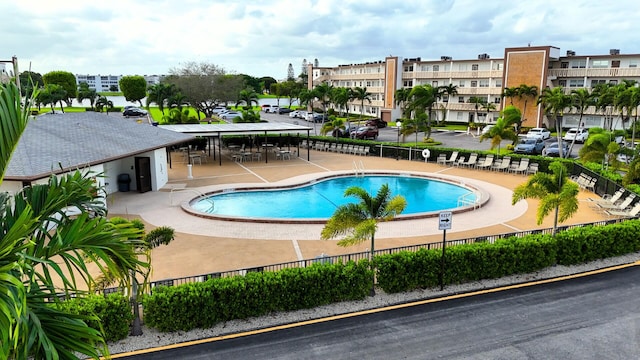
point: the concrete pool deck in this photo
(207, 245)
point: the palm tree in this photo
(104, 103)
(333, 125)
(489, 107)
(177, 100)
(510, 93)
(477, 103)
(554, 101)
(248, 97)
(84, 92)
(603, 97)
(159, 94)
(450, 91)
(402, 99)
(525, 92)
(359, 221)
(554, 191)
(422, 98)
(53, 94)
(341, 97)
(600, 148)
(503, 129)
(361, 94)
(582, 99)
(40, 242)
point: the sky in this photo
(261, 38)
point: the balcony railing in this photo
(610, 72)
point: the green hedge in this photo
(113, 311)
(202, 305)
(588, 243)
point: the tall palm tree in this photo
(422, 98)
(601, 148)
(333, 126)
(477, 102)
(450, 91)
(341, 97)
(489, 107)
(247, 97)
(159, 94)
(581, 99)
(177, 100)
(603, 97)
(510, 92)
(554, 191)
(555, 101)
(359, 221)
(402, 98)
(40, 242)
(503, 128)
(525, 92)
(104, 103)
(323, 93)
(84, 92)
(363, 95)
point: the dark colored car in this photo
(379, 123)
(343, 133)
(134, 112)
(366, 132)
(552, 150)
(320, 118)
(529, 146)
(284, 110)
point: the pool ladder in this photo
(201, 196)
(358, 168)
(464, 200)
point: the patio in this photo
(205, 245)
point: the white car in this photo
(294, 114)
(230, 115)
(486, 129)
(539, 133)
(580, 135)
(219, 110)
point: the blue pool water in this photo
(320, 199)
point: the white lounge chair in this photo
(633, 212)
(452, 159)
(487, 163)
(618, 207)
(503, 165)
(609, 199)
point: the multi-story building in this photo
(102, 83)
(483, 79)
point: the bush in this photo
(113, 311)
(202, 305)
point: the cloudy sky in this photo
(260, 37)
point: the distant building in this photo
(484, 77)
(4, 76)
(102, 83)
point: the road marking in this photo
(374, 311)
(296, 247)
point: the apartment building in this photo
(102, 83)
(484, 78)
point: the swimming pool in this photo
(316, 200)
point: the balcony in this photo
(479, 91)
(610, 72)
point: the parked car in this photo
(294, 114)
(486, 129)
(230, 115)
(320, 118)
(302, 114)
(580, 135)
(134, 111)
(219, 110)
(529, 146)
(271, 109)
(343, 133)
(552, 149)
(539, 133)
(379, 123)
(284, 110)
(366, 132)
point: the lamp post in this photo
(398, 125)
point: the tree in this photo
(104, 103)
(601, 148)
(51, 95)
(503, 128)
(333, 126)
(510, 93)
(248, 116)
(84, 92)
(359, 221)
(291, 90)
(341, 97)
(266, 82)
(252, 82)
(554, 191)
(177, 100)
(477, 103)
(450, 91)
(525, 92)
(402, 99)
(277, 90)
(41, 242)
(603, 98)
(179, 116)
(290, 74)
(159, 94)
(29, 81)
(363, 95)
(489, 108)
(421, 99)
(247, 97)
(323, 93)
(65, 79)
(134, 88)
(554, 101)
(581, 99)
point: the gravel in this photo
(153, 338)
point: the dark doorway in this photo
(143, 174)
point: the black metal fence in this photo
(361, 255)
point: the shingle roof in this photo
(56, 143)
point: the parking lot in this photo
(449, 139)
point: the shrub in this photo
(112, 311)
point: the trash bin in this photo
(124, 182)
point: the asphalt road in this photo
(449, 139)
(592, 317)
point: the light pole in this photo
(398, 125)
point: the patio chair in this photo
(522, 167)
(487, 163)
(633, 212)
(472, 160)
(609, 199)
(442, 159)
(503, 165)
(452, 159)
(332, 147)
(532, 169)
(618, 207)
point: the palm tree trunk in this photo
(555, 221)
(373, 268)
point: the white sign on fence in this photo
(445, 220)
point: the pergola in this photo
(213, 131)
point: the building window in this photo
(496, 100)
(474, 67)
(436, 67)
(408, 83)
(408, 68)
(579, 64)
(499, 83)
(497, 66)
(633, 63)
(613, 82)
(445, 98)
(576, 83)
(484, 83)
(562, 83)
(434, 83)
(594, 83)
(474, 83)
(460, 99)
(462, 67)
(460, 116)
(564, 65)
(600, 64)
(461, 83)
